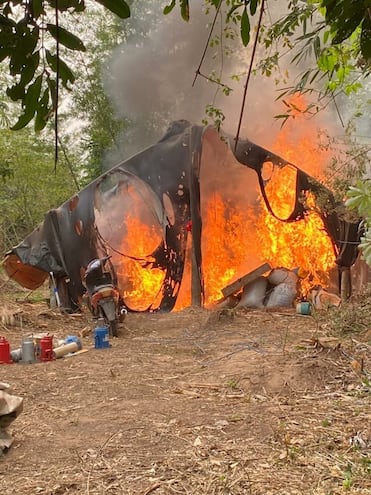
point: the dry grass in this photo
(195, 403)
(351, 318)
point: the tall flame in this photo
(237, 238)
(226, 244)
(139, 283)
(304, 243)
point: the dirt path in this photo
(191, 403)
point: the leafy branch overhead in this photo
(37, 42)
(337, 33)
(31, 34)
(343, 17)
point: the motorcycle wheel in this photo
(113, 328)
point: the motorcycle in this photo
(103, 298)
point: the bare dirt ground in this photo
(194, 402)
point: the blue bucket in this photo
(101, 338)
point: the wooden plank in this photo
(242, 281)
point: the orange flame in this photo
(226, 245)
(139, 285)
(297, 141)
(302, 244)
(236, 239)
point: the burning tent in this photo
(180, 220)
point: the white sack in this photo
(253, 294)
(282, 275)
(283, 295)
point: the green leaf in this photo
(16, 92)
(253, 6)
(344, 30)
(231, 11)
(327, 61)
(5, 21)
(24, 43)
(33, 93)
(65, 37)
(65, 73)
(330, 6)
(8, 41)
(184, 9)
(42, 112)
(118, 7)
(169, 8)
(17, 61)
(37, 8)
(245, 27)
(52, 85)
(31, 40)
(63, 5)
(317, 47)
(30, 104)
(326, 35)
(28, 71)
(366, 38)
(23, 121)
(52, 60)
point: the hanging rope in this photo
(249, 73)
(207, 44)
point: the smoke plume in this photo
(152, 80)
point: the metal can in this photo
(28, 351)
(304, 308)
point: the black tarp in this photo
(166, 178)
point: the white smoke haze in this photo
(150, 82)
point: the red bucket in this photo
(5, 351)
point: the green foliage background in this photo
(30, 186)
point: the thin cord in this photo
(207, 43)
(69, 164)
(249, 73)
(337, 110)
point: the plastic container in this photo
(101, 337)
(72, 338)
(5, 351)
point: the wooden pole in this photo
(249, 277)
(345, 284)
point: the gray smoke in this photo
(151, 81)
